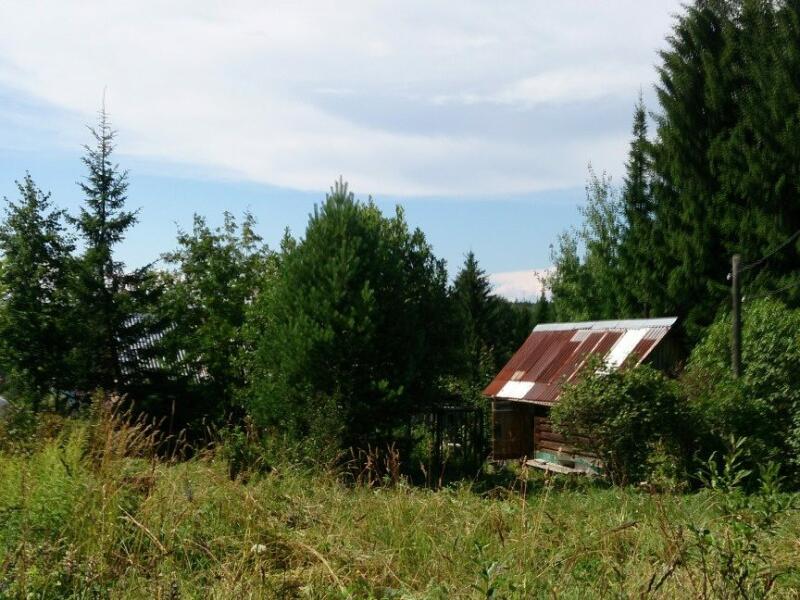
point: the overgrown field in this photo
(88, 512)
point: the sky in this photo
(480, 118)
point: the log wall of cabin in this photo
(551, 446)
(545, 438)
(523, 430)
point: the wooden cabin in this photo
(525, 389)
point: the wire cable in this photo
(764, 258)
(772, 293)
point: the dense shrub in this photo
(764, 404)
(623, 416)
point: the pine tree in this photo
(111, 300)
(35, 309)
(354, 335)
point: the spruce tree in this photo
(476, 311)
(721, 176)
(34, 314)
(697, 90)
(762, 152)
(542, 311)
(110, 299)
(641, 285)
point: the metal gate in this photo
(459, 439)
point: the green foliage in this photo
(719, 177)
(244, 450)
(489, 328)
(356, 323)
(697, 107)
(18, 425)
(734, 551)
(34, 322)
(587, 285)
(477, 311)
(85, 515)
(109, 301)
(620, 415)
(216, 275)
(492, 582)
(642, 282)
(764, 404)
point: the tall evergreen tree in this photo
(721, 176)
(639, 250)
(698, 87)
(542, 310)
(477, 313)
(34, 312)
(761, 155)
(489, 328)
(111, 300)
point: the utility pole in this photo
(736, 318)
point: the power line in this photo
(773, 292)
(761, 260)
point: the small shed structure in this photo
(554, 353)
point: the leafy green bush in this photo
(764, 404)
(621, 416)
(22, 430)
(17, 428)
(733, 551)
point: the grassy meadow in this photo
(88, 511)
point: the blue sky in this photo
(480, 118)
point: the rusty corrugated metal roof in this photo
(555, 352)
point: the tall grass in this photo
(92, 511)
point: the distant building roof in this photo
(555, 352)
(143, 354)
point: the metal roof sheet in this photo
(555, 352)
(600, 325)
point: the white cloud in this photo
(247, 89)
(568, 85)
(520, 285)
